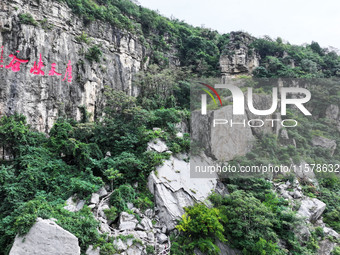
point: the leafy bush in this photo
(27, 18)
(200, 227)
(93, 54)
(121, 196)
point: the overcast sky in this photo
(295, 21)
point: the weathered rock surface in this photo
(238, 59)
(263, 102)
(127, 221)
(42, 98)
(174, 189)
(222, 142)
(326, 246)
(311, 208)
(92, 251)
(157, 145)
(73, 204)
(324, 143)
(46, 237)
(333, 113)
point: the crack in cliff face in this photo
(39, 97)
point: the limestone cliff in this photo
(237, 57)
(54, 33)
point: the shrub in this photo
(27, 18)
(200, 227)
(121, 196)
(93, 54)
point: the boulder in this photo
(146, 223)
(73, 204)
(162, 238)
(92, 251)
(119, 245)
(134, 250)
(46, 237)
(311, 208)
(157, 145)
(102, 192)
(127, 221)
(94, 198)
(325, 247)
(174, 189)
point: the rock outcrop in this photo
(310, 211)
(46, 237)
(324, 142)
(333, 113)
(174, 189)
(55, 36)
(238, 58)
(222, 142)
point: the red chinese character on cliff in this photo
(2, 57)
(52, 71)
(36, 69)
(15, 63)
(68, 73)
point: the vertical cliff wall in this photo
(54, 33)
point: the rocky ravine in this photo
(42, 98)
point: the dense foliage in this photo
(280, 59)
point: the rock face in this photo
(46, 237)
(324, 143)
(263, 102)
(239, 59)
(333, 113)
(222, 142)
(42, 98)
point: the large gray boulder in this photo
(127, 221)
(174, 189)
(46, 238)
(311, 208)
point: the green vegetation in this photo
(200, 227)
(285, 60)
(83, 38)
(93, 54)
(27, 18)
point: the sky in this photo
(295, 21)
